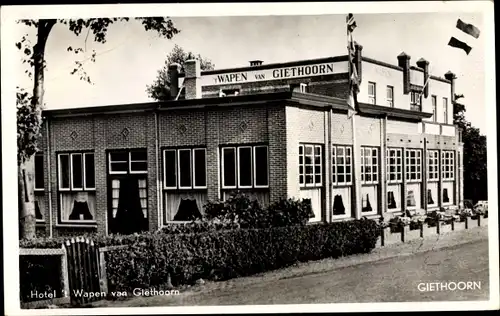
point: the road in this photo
(389, 280)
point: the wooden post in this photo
(466, 222)
(421, 229)
(479, 219)
(64, 272)
(438, 226)
(452, 224)
(404, 233)
(103, 279)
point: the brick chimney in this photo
(173, 75)
(358, 60)
(424, 65)
(192, 78)
(451, 76)
(404, 62)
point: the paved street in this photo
(394, 279)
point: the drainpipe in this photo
(328, 181)
(49, 176)
(159, 196)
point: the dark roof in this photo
(393, 112)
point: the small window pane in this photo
(39, 171)
(245, 166)
(138, 166)
(89, 171)
(185, 168)
(170, 169)
(138, 155)
(200, 172)
(64, 171)
(119, 156)
(229, 156)
(261, 166)
(77, 171)
(119, 166)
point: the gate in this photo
(83, 270)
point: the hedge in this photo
(224, 254)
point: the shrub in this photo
(226, 254)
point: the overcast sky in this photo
(131, 57)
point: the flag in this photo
(459, 44)
(353, 73)
(468, 28)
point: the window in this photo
(394, 165)
(434, 108)
(415, 101)
(371, 93)
(413, 165)
(369, 165)
(303, 87)
(445, 109)
(184, 168)
(432, 165)
(341, 165)
(76, 183)
(76, 172)
(123, 162)
(39, 172)
(390, 96)
(310, 165)
(448, 164)
(245, 167)
(229, 92)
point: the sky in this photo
(131, 57)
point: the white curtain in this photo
(341, 197)
(69, 200)
(393, 197)
(432, 194)
(413, 195)
(40, 200)
(173, 200)
(369, 199)
(315, 196)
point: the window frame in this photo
(390, 101)
(434, 107)
(128, 161)
(334, 166)
(374, 96)
(42, 188)
(445, 162)
(71, 188)
(314, 184)
(433, 161)
(363, 169)
(445, 110)
(415, 101)
(398, 163)
(417, 165)
(236, 149)
(192, 167)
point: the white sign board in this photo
(280, 73)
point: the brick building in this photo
(270, 130)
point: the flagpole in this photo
(355, 152)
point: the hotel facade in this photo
(271, 131)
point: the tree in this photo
(474, 155)
(159, 90)
(29, 107)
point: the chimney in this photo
(173, 76)
(254, 63)
(404, 62)
(192, 78)
(358, 57)
(451, 76)
(424, 65)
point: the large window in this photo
(390, 96)
(310, 165)
(432, 165)
(76, 184)
(448, 164)
(185, 168)
(369, 165)
(372, 98)
(445, 109)
(415, 101)
(413, 165)
(394, 165)
(434, 108)
(341, 165)
(245, 167)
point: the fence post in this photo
(64, 271)
(103, 279)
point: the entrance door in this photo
(127, 192)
